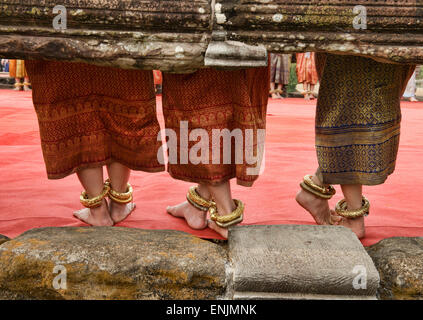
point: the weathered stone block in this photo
(3, 239)
(173, 35)
(389, 29)
(399, 261)
(136, 34)
(300, 262)
(111, 263)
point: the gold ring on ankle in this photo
(341, 209)
(322, 192)
(228, 220)
(120, 197)
(194, 198)
(95, 201)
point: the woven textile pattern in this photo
(90, 116)
(212, 99)
(358, 118)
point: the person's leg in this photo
(26, 84)
(92, 181)
(18, 84)
(273, 91)
(195, 218)
(305, 87)
(279, 91)
(318, 207)
(353, 194)
(224, 204)
(195, 97)
(348, 156)
(311, 91)
(119, 177)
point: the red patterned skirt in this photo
(306, 68)
(211, 99)
(90, 116)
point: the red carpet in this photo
(28, 200)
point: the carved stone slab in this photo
(167, 35)
(174, 35)
(393, 29)
(300, 262)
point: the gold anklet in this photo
(120, 197)
(194, 198)
(341, 209)
(95, 201)
(228, 220)
(322, 192)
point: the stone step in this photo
(110, 263)
(300, 262)
(260, 262)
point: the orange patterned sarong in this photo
(306, 68)
(211, 99)
(90, 116)
(17, 69)
(158, 79)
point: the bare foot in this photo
(356, 225)
(275, 96)
(317, 207)
(96, 217)
(119, 212)
(195, 218)
(222, 231)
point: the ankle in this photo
(317, 181)
(100, 209)
(225, 208)
(354, 205)
(204, 192)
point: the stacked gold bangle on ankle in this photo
(223, 221)
(95, 201)
(231, 219)
(341, 209)
(198, 201)
(322, 192)
(120, 197)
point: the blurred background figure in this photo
(17, 70)
(280, 65)
(157, 81)
(306, 73)
(4, 65)
(410, 91)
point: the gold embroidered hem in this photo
(210, 99)
(90, 116)
(358, 119)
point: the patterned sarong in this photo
(211, 99)
(17, 69)
(90, 116)
(306, 68)
(358, 118)
(280, 66)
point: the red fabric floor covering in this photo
(28, 200)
